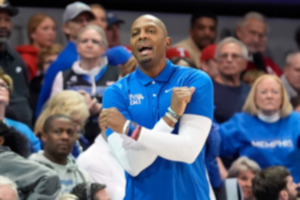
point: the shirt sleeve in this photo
(229, 132)
(57, 84)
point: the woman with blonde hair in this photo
(267, 131)
(41, 31)
(70, 103)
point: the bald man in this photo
(157, 120)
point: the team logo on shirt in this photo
(135, 99)
(273, 144)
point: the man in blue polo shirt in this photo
(157, 120)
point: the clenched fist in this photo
(181, 96)
(111, 118)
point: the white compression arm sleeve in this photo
(184, 146)
(133, 156)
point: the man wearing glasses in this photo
(229, 91)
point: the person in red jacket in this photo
(41, 30)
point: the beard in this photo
(4, 35)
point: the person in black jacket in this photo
(13, 65)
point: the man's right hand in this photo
(181, 96)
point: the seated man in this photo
(274, 183)
(34, 181)
(230, 92)
(252, 31)
(203, 32)
(291, 76)
(59, 135)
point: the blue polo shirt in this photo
(145, 100)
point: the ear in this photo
(2, 140)
(168, 42)
(283, 195)
(66, 28)
(44, 137)
(238, 31)
(244, 65)
(32, 36)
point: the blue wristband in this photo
(131, 127)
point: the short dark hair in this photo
(15, 140)
(295, 101)
(49, 120)
(269, 182)
(203, 13)
(87, 191)
(297, 36)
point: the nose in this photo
(269, 94)
(142, 35)
(64, 135)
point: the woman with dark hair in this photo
(11, 138)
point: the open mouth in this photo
(144, 50)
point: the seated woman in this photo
(41, 30)
(6, 88)
(268, 131)
(90, 75)
(244, 169)
(69, 103)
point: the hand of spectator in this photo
(111, 118)
(92, 103)
(181, 96)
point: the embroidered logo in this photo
(135, 99)
(169, 90)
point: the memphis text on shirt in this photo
(273, 144)
(135, 99)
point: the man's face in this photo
(291, 188)
(113, 35)
(5, 26)
(292, 72)
(253, 34)
(230, 60)
(102, 195)
(149, 40)
(73, 27)
(100, 17)
(203, 31)
(60, 138)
